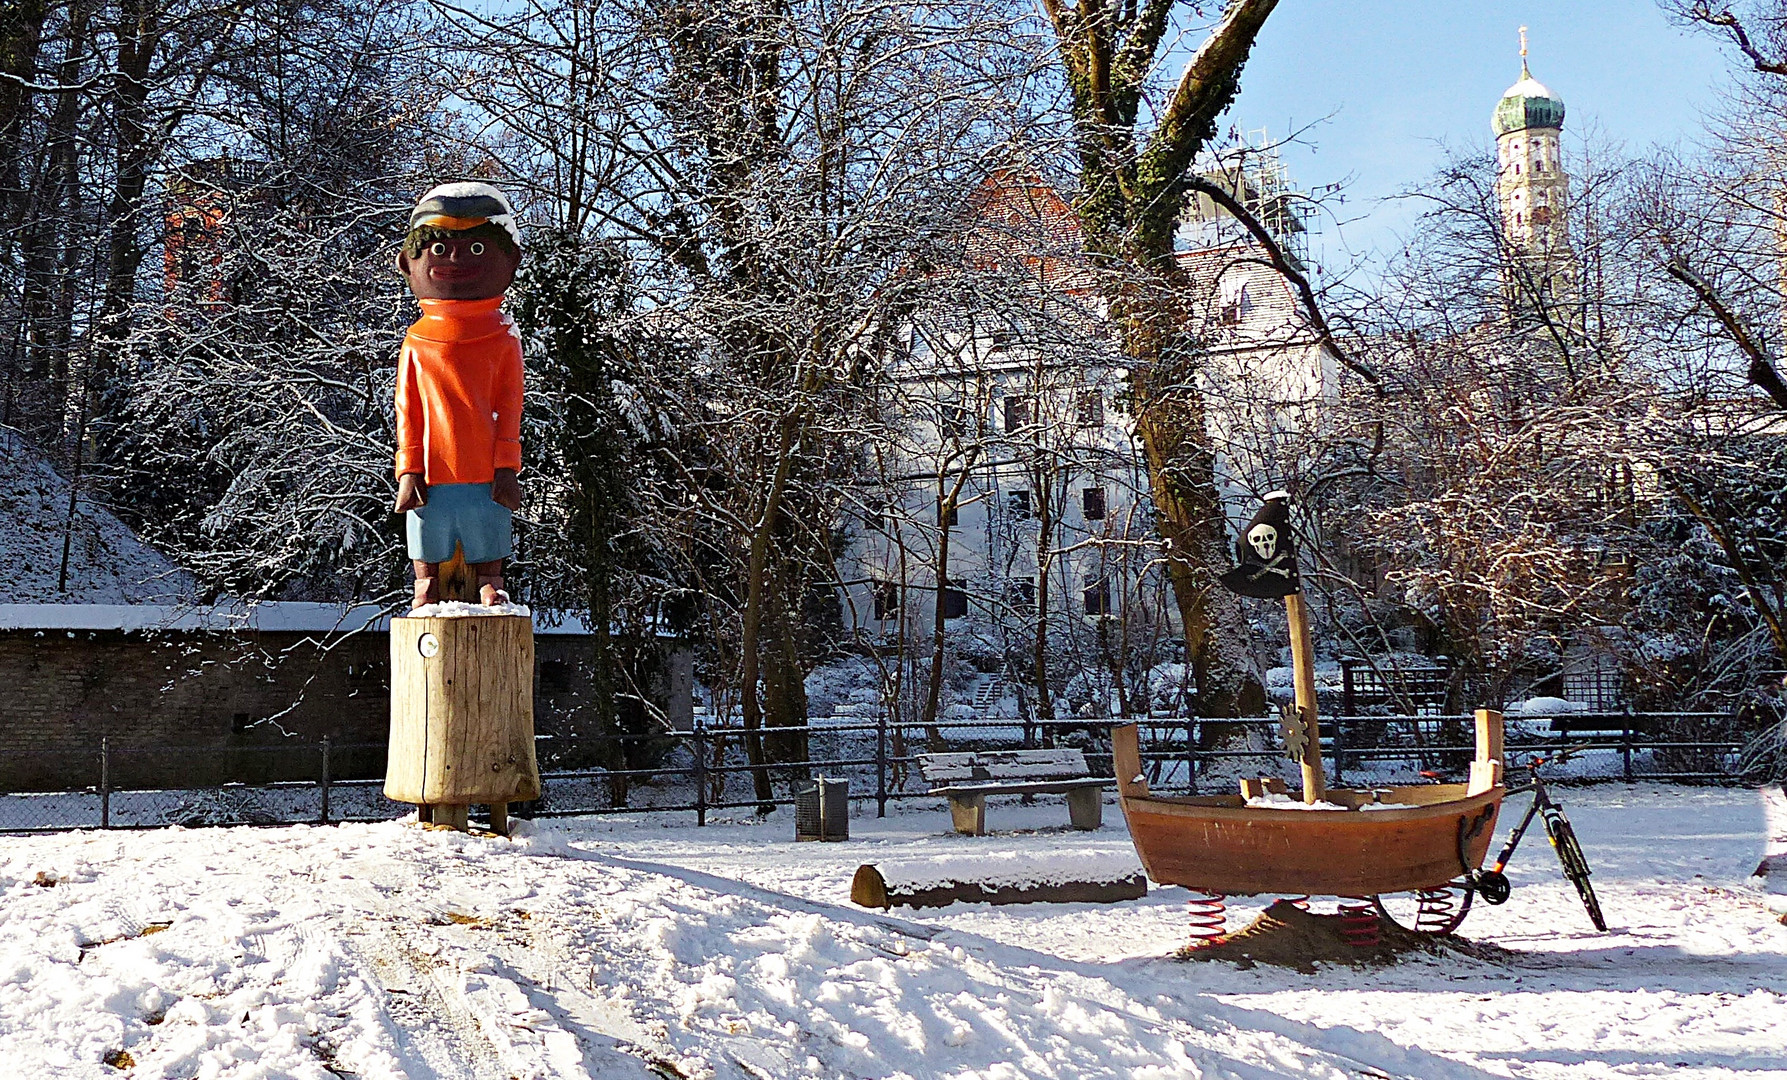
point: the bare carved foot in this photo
(490, 591)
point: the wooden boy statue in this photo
(459, 388)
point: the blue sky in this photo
(1403, 77)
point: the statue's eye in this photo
(477, 247)
(438, 248)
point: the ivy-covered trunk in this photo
(1181, 462)
(1132, 188)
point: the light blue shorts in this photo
(463, 514)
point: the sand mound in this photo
(1285, 935)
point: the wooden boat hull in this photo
(1219, 844)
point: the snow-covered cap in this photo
(465, 205)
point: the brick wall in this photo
(200, 707)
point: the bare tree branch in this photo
(1721, 18)
(1761, 373)
(1285, 267)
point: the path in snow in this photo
(641, 946)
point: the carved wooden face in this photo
(459, 267)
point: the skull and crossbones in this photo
(1264, 540)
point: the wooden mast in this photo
(1315, 784)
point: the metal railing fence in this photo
(706, 769)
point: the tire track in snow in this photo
(436, 1035)
(470, 1001)
(1224, 1041)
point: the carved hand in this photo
(411, 492)
(505, 490)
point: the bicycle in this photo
(1494, 885)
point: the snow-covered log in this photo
(941, 882)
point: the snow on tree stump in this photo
(462, 716)
(1773, 867)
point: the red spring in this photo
(1209, 917)
(1358, 922)
(1434, 915)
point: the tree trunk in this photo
(1132, 189)
(949, 496)
(21, 38)
(139, 38)
(946, 505)
(1039, 649)
(599, 571)
(784, 682)
(758, 595)
(750, 709)
(1171, 425)
(51, 244)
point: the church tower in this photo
(1530, 182)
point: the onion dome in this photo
(1529, 103)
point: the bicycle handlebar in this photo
(1556, 757)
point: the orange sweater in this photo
(459, 393)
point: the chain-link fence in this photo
(710, 768)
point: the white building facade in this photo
(1018, 450)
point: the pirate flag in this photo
(1267, 554)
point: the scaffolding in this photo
(1252, 172)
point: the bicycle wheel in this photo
(1569, 853)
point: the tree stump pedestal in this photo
(462, 716)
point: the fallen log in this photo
(873, 888)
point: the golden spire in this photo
(1523, 71)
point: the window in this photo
(948, 515)
(1022, 594)
(1092, 504)
(1018, 502)
(555, 676)
(1539, 166)
(920, 346)
(1091, 410)
(191, 231)
(1097, 595)
(887, 599)
(1517, 168)
(1017, 413)
(955, 601)
(1236, 303)
(952, 421)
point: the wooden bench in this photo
(966, 779)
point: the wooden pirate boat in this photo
(1342, 842)
(1436, 833)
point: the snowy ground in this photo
(107, 563)
(641, 946)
